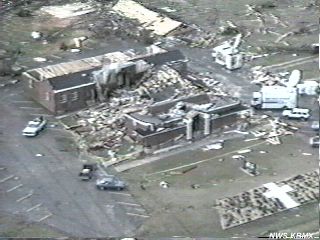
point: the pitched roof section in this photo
(160, 25)
(81, 65)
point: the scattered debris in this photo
(148, 19)
(24, 13)
(40, 59)
(169, 10)
(75, 50)
(244, 151)
(195, 186)
(39, 155)
(36, 35)
(14, 81)
(214, 146)
(251, 139)
(249, 168)
(309, 88)
(189, 169)
(79, 41)
(164, 184)
(69, 10)
(307, 154)
(238, 157)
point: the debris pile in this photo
(214, 146)
(254, 204)
(103, 127)
(111, 23)
(264, 77)
(147, 19)
(200, 39)
(166, 77)
(272, 130)
(69, 10)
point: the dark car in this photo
(111, 183)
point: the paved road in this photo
(46, 188)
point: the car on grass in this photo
(297, 113)
(110, 183)
(314, 141)
(34, 127)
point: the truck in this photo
(87, 171)
(228, 55)
(275, 97)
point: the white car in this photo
(314, 141)
(34, 127)
(297, 113)
(315, 125)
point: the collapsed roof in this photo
(57, 70)
(158, 24)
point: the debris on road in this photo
(238, 157)
(214, 146)
(244, 151)
(69, 10)
(40, 59)
(164, 184)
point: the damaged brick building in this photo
(71, 86)
(188, 118)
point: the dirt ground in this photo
(181, 210)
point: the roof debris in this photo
(69, 10)
(160, 25)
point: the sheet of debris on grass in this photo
(254, 204)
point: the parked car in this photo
(87, 171)
(315, 125)
(297, 113)
(34, 127)
(314, 141)
(110, 183)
